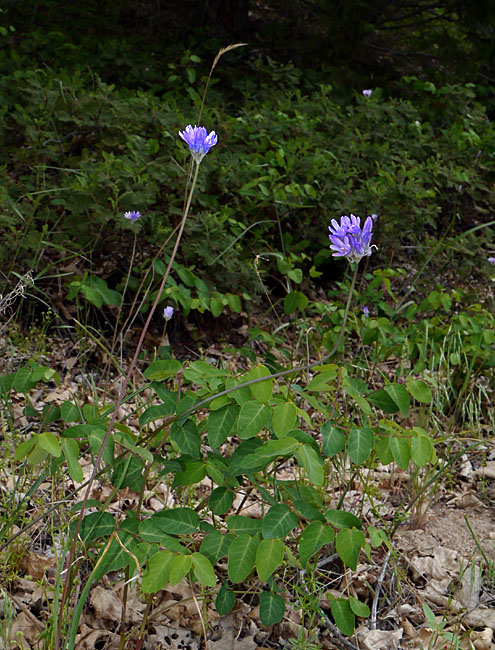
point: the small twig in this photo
(376, 597)
(200, 616)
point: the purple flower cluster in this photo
(198, 141)
(133, 215)
(168, 312)
(348, 239)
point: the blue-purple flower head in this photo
(168, 312)
(198, 140)
(491, 260)
(348, 239)
(367, 92)
(133, 215)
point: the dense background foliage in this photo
(95, 94)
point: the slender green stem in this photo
(120, 398)
(115, 333)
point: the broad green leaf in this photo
(168, 397)
(400, 396)
(225, 600)
(216, 306)
(156, 412)
(220, 500)
(117, 555)
(262, 390)
(382, 446)
(25, 447)
(306, 511)
(343, 519)
(216, 469)
(333, 439)
(253, 417)
(142, 452)
(220, 424)
(234, 302)
(278, 521)
(69, 412)
(70, 450)
(157, 572)
(187, 438)
(239, 524)
(284, 418)
(343, 615)
(153, 530)
(313, 537)
(362, 402)
(160, 370)
(95, 525)
(421, 449)
(312, 462)
(295, 300)
(95, 439)
(177, 521)
(216, 545)
(242, 395)
(274, 448)
(382, 400)
(128, 472)
(194, 471)
(179, 567)
(219, 402)
(37, 455)
(377, 536)
(83, 430)
(202, 372)
(360, 444)
(272, 608)
(296, 275)
(305, 439)
(49, 442)
(419, 390)
(237, 461)
(401, 451)
(241, 557)
(203, 570)
(269, 556)
(359, 608)
(348, 545)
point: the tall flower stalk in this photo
(70, 558)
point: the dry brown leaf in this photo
(488, 471)
(468, 593)
(106, 604)
(36, 565)
(482, 640)
(26, 628)
(88, 637)
(380, 639)
(480, 618)
(230, 628)
(173, 638)
(58, 395)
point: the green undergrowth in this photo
(79, 152)
(405, 371)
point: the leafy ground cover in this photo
(268, 466)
